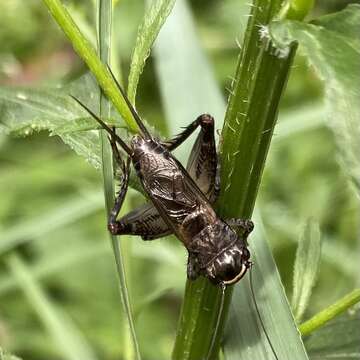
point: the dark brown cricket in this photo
(181, 200)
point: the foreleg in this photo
(113, 225)
(202, 120)
(246, 225)
(192, 267)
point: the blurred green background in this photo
(51, 202)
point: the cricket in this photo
(181, 200)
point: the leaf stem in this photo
(84, 49)
(329, 313)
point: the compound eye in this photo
(233, 274)
(229, 272)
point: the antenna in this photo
(104, 126)
(221, 308)
(134, 113)
(258, 313)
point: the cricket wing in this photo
(176, 194)
(179, 201)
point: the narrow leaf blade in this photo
(306, 268)
(185, 96)
(148, 30)
(70, 342)
(104, 36)
(60, 216)
(244, 327)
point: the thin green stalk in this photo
(329, 313)
(104, 41)
(84, 49)
(248, 127)
(296, 9)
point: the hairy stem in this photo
(248, 127)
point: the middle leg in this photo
(113, 224)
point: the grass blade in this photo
(185, 96)
(70, 342)
(148, 30)
(68, 213)
(244, 336)
(55, 264)
(306, 268)
(104, 39)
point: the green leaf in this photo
(6, 356)
(306, 269)
(332, 46)
(83, 124)
(70, 342)
(243, 325)
(148, 30)
(338, 340)
(26, 110)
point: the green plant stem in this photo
(84, 49)
(296, 9)
(248, 127)
(104, 41)
(329, 313)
